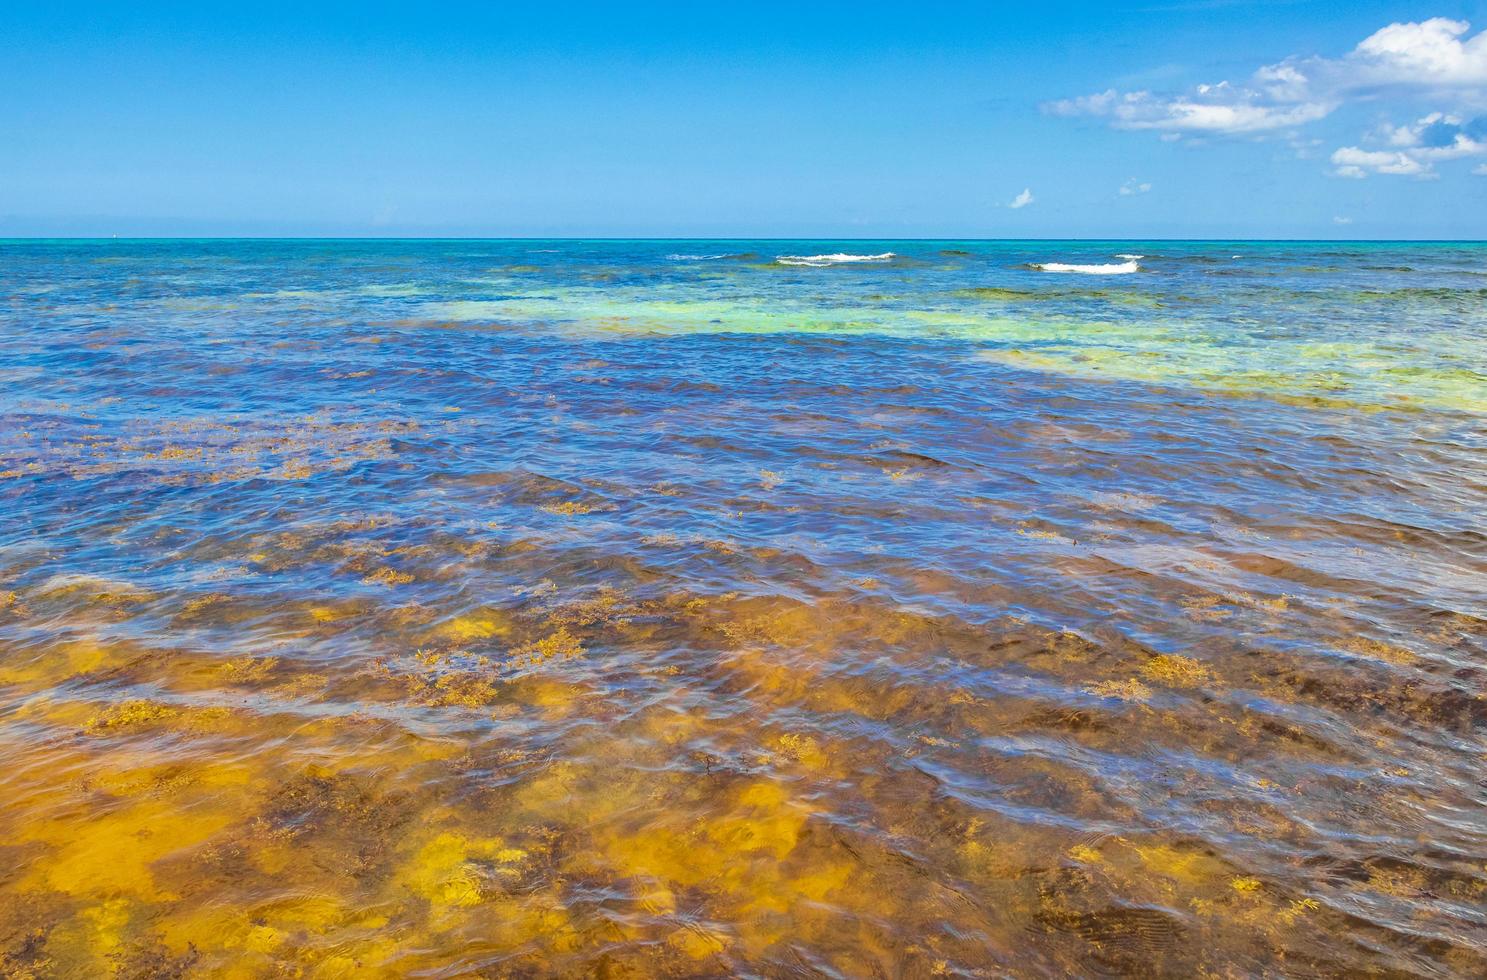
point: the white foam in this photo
(836, 258)
(1111, 269)
(1128, 258)
(696, 258)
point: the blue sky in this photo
(760, 119)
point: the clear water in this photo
(658, 608)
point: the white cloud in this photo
(1217, 108)
(1133, 186)
(1434, 56)
(1022, 200)
(1415, 148)
(1480, 170)
(1338, 219)
(1353, 162)
(1429, 53)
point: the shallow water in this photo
(657, 608)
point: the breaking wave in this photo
(836, 258)
(1109, 269)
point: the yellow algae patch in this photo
(87, 944)
(248, 669)
(461, 690)
(105, 923)
(801, 748)
(305, 913)
(176, 452)
(697, 942)
(1176, 671)
(130, 714)
(1376, 650)
(84, 658)
(762, 827)
(167, 778)
(819, 881)
(368, 958)
(476, 626)
(1128, 690)
(569, 508)
(112, 592)
(213, 927)
(558, 643)
(770, 681)
(453, 871)
(1206, 607)
(550, 694)
(67, 660)
(263, 939)
(387, 576)
(301, 686)
(1245, 885)
(538, 920)
(1085, 854)
(401, 750)
(768, 822)
(1184, 866)
(662, 854)
(202, 602)
(607, 608)
(996, 859)
(112, 854)
(793, 626)
(657, 899)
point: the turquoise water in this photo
(657, 607)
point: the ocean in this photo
(754, 608)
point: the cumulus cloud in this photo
(1430, 53)
(1435, 57)
(1022, 200)
(1133, 186)
(1415, 148)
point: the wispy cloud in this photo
(1338, 219)
(1133, 186)
(1437, 58)
(1220, 108)
(1022, 200)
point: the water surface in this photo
(665, 609)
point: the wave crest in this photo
(1109, 269)
(836, 258)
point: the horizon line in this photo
(706, 238)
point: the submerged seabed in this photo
(658, 608)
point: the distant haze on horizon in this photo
(1200, 120)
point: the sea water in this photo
(639, 608)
